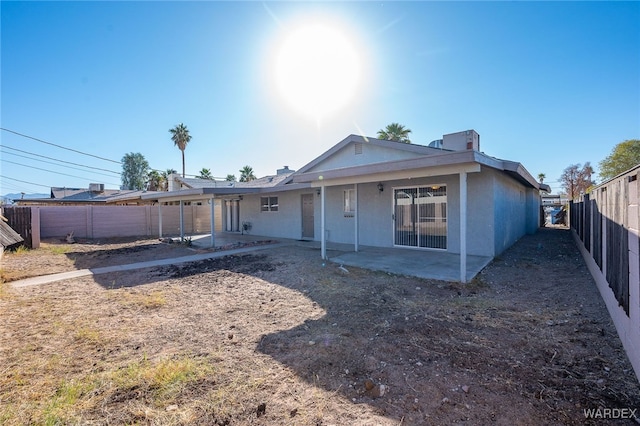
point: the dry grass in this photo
(283, 339)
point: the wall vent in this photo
(358, 148)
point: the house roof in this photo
(79, 195)
(420, 161)
(438, 160)
(263, 182)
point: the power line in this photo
(24, 181)
(49, 162)
(58, 146)
(51, 171)
(55, 159)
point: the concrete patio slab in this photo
(428, 264)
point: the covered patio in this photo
(436, 265)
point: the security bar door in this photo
(420, 215)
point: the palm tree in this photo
(541, 177)
(246, 174)
(395, 132)
(205, 174)
(180, 137)
(231, 178)
(155, 181)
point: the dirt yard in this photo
(277, 337)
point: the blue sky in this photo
(546, 84)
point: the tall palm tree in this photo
(231, 178)
(180, 137)
(541, 177)
(246, 174)
(395, 132)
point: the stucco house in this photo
(447, 197)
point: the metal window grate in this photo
(421, 216)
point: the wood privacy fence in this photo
(19, 218)
(96, 221)
(607, 224)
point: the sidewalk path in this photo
(45, 279)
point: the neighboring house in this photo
(95, 194)
(364, 191)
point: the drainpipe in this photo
(463, 227)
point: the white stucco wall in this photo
(500, 211)
(284, 223)
(516, 209)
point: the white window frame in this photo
(349, 202)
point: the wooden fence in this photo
(19, 218)
(607, 224)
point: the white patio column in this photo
(463, 227)
(355, 216)
(181, 221)
(323, 242)
(213, 222)
(160, 219)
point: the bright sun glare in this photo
(317, 70)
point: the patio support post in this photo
(463, 227)
(213, 222)
(181, 221)
(355, 216)
(159, 219)
(323, 236)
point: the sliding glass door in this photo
(420, 215)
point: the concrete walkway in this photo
(45, 279)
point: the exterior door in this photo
(307, 216)
(420, 215)
(232, 208)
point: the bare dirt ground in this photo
(278, 337)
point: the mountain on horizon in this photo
(17, 195)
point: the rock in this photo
(368, 384)
(172, 407)
(465, 389)
(445, 400)
(261, 410)
(293, 412)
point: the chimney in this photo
(284, 171)
(462, 141)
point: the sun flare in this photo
(317, 70)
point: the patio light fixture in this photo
(380, 187)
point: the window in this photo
(349, 202)
(268, 204)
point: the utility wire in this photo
(51, 171)
(55, 159)
(24, 181)
(59, 146)
(50, 162)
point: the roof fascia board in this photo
(399, 175)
